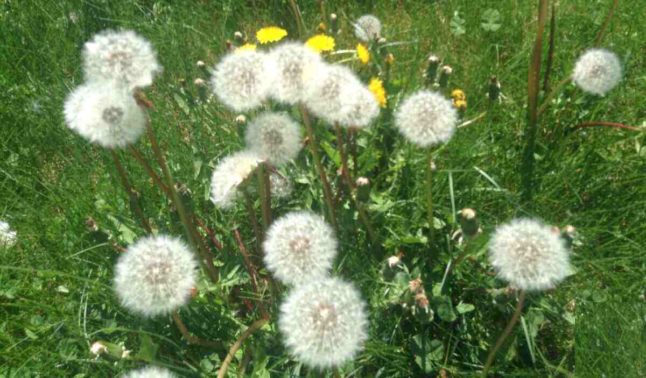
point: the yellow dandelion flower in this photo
(458, 94)
(363, 53)
(247, 47)
(320, 43)
(270, 34)
(460, 104)
(376, 86)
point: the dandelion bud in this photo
(415, 285)
(390, 59)
(494, 88)
(381, 40)
(445, 73)
(468, 222)
(568, 233)
(98, 348)
(421, 300)
(199, 82)
(321, 28)
(150, 372)
(431, 69)
(334, 23)
(238, 37)
(393, 261)
(241, 119)
(200, 64)
(597, 71)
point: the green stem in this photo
(505, 333)
(429, 194)
(604, 26)
(132, 195)
(236, 346)
(264, 187)
(254, 221)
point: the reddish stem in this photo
(606, 124)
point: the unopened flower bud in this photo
(334, 23)
(98, 348)
(445, 73)
(393, 261)
(494, 88)
(569, 234)
(321, 28)
(381, 40)
(199, 82)
(238, 37)
(431, 70)
(229, 45)
(468, 222)
(200, 64)
(363, 188)
(390, 59)
(91, 224)
(241, 119)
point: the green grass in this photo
(55, 285)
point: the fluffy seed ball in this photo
(360, 107)
(529, 255)
(229, 174)
(123, 56)
(299, 247)
(105, 113)
(281, 187)
(293, 65)
(597, 71)
(331, 92)
(324, 323)
(155, 276)
(426, 118)
(275, 137)
(367, 28)
(8, 237)
(150, 372)
(241, 80)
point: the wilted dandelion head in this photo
(229, 174)
(150, 372)
(155, 275)
(105, 113)
(426, 118)
(300, 247)
(329, 90)
(367, 28)
(293, 66)
(275, 137)
(281, 187)
(360, 107)
(597, 71)
(123, 56)
(8, 237)
(324, 323)
(241, 80)
(529, 255)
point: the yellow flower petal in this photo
(270, 34)
(247, 47)
(363, 53)
(376, 86)
(320, 43)
(458, 94)
(460, 104)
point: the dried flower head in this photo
(320, 43)
(123, 56)
(324, 323)
(426, 118)
(597, 71)
(241, 80)
(105, 113)
(150, 372)
(275, 137)
(270, 34)
(8, 237)
(229, 174)
(300, 247)
(528, 255)
(293, 66)
(155, 275)
(367, 28)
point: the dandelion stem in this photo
(264, 188)
(194, 239)
(429, 194)
(298, 17)
(134, 199)
(505, 333)
(192, 339)
(149, 170)
(606, 124)
(327, 190)
(550, 49)
(253, 272)
(236, 346)
(252, 218)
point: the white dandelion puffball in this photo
(529, 255)
(597, 71)
(360, 109)
(123, 56)
(241, 80)
(229, 174)
(155, 276)
(426, 118)
(274, 136)
(8, 237)
(150, 372)
(293, 65)
(281, 187)
(300, 247)
(367, 28)
(324, 323)
(105, 113)
(328, 94)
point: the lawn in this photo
(64, 197)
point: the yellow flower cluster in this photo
(363, 54)
(270, 34)
(459, 99)
(376, 86)
(320, 43)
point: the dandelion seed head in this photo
(300, 247)
(274, 136)
(122, 56)
(324, 323)
(155, 276)
(150, 372)
(229, 174)
(367, 28)
(281, 187)
(293, 65)
(360, 107)
(597, 71)
(426, 118)
(8, 237)
(330, 89)
(529, 255)
(104, 113)
(241, 80)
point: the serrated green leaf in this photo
(463, 308)
(490, 20)
(458, 24)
